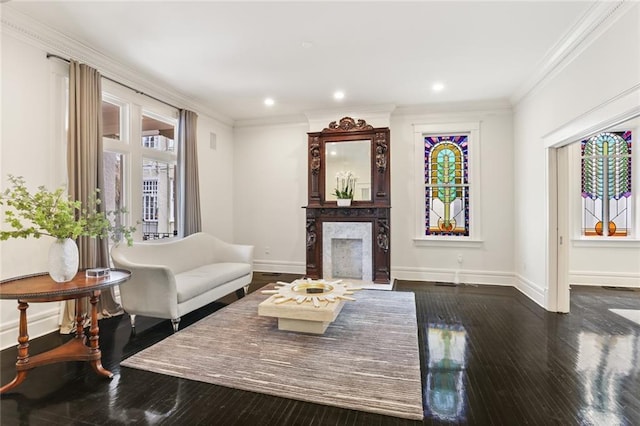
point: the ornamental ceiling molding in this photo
(24, 28)
(375, 115)
(598, 18)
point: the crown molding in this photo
(37, 34)
(588, 28)
(278, 120)
(613, 112)
(375, 115)
(487, 107)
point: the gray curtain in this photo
(84, 164)
(189, 218)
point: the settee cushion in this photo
(194, 282)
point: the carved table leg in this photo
(94, 339)
(23, 349)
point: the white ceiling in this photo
(229, 56)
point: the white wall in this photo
(487, 262)
(30, 146)
(605, 69)
(270, 189)
(270, 182)
(215, 168)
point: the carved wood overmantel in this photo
(375, 210)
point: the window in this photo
(157, 134)
(150, 202)
(113, 171)
(111, 119)
(606, 184)
(158, 189)
(158, 174)
(140, 160)
(444, 184)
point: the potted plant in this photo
(345, 183)
(54, 214)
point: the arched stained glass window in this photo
(606, 184)
(446, 185)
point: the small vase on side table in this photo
(63, 260)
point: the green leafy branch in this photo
(54, 214)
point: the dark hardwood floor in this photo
(489, 356)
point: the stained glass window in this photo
(446, 177)
(606, 184)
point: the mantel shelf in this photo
(333, 206)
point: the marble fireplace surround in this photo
(343, 233)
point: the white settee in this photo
(170, 279)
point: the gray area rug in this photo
(367, 359)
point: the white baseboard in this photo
(403, 273)
(37, 325)
(262, 265)
(464, 276)
(610, 279)
(532, 290)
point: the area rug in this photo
(367, 359)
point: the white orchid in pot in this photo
(345, 184)
(54, 214)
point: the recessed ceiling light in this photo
(338, 96)
(437, 87)
(269, 102)
(307, 44)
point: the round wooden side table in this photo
(40, 288)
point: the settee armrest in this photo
(151, 290)
(228, 252)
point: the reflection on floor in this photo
(630, 314)
(444, 390)
(488, 356)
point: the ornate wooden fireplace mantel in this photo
(356, 144)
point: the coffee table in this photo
(306, 305)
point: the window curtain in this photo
(189, 181)
(84, 164)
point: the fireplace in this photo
(346, 250)
(352, 242)
(361, 237)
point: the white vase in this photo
(63, 260)
(344, 202)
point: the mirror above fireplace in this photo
(349, 145)
(344, 157)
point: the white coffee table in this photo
(306, 306)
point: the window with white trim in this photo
(606, 184)
(141, 175)
(445, 178)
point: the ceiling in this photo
(230, 56)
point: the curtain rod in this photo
(51, 55)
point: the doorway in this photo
(562, 229)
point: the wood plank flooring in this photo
(488, 356)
